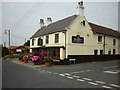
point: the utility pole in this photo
(4, 44)
(8, 38)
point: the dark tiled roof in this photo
(61, 24)
(103, 30)
(16, 47)
(55, 27)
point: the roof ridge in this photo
(55, 26)
(64, 18)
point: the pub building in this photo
(74, 37)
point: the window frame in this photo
(47, 39)
(39, 43)
(57, 38)
(100, 39)
(114, 42)
(109, 52)
(33, 41)
(95, 52)
(114, 51)
(101, 52)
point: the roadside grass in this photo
(10, 57)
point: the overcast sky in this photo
(22, 18)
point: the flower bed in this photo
(56, 60)
(37, 60)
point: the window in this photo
(56, 38)
(101, 52)
(47, 39)
(40, 41)
(95, 52)
(99, 38)
(114, 41)
(33, 41)
(114, 51)
(83, 22)
(109, 51)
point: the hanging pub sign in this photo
(77, 39)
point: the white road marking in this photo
(114, 85)
(82, 71)
(106, 87)
(49, 72)
(76, 76)
(112, 71)
(55, 73)
(87, 79)
(43, 70)
(92, 83)
(66, 73)
(110, 67)
(69, 77)
(101, 82)
(80, 80)
(62, 75)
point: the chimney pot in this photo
(41, 23)
(49, 20)
(81, 3)
(80, 8)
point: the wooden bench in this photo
(72, 60)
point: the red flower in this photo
(31, 55)
(58, 58)
(54, 57)
(43, 53)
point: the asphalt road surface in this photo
(85, 75)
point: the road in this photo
(84, 75)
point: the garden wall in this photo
(90, 58)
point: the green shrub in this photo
(5, 51)
(21, 56)
(48, 59)
(11, 56)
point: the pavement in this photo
(29, 64)
(103, 74)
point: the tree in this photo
(5, 51)
(27, 43)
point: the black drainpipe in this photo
(65, 44)
(104, 44)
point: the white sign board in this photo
(18, 50)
